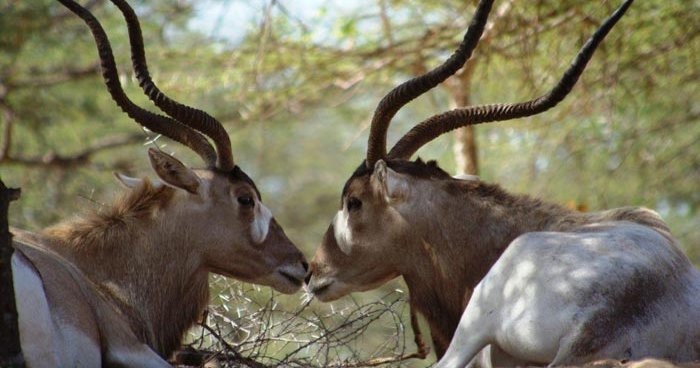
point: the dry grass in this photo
(249, 326)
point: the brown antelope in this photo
(120, 287)
(569, 286)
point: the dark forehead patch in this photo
(361, 171)
(417, 168)
(358, 185)
(237, 175)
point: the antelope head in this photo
(220, 206)
(390, 203)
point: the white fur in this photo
(536, 299)
(77, 349)
(342, 232)
(37, 335)
(261, 223)
(45, 342)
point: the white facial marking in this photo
(261, 223)
(343, 235)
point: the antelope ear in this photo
(388, 182)
(173, 172)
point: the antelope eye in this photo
(246, 201)
(354, 204)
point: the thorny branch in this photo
(267, 335)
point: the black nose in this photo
(308, 277)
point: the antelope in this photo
(120, 287)
(541, 284)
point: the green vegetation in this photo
(296, 95)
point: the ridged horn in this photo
(409, 90)
(157, 123)
(442, 123)
(192, 117)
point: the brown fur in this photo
(454, 231)
(112, 238)
(113, 224)
(501, 217)
(150, 252)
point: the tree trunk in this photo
(465, 150)
(10, 352)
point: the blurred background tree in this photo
(295, 84)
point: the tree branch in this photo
(81, 158)
(55, 76)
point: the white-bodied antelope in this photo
(120, 287)
(569, 287)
